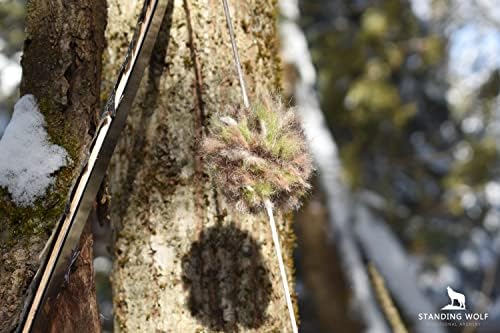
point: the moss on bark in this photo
(61, 67)
(163, 202)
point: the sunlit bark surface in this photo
(185, 260)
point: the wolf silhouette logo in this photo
(454, 296)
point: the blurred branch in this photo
(376, 240)
(326, 285)
(324, 150)
(382, 247)
(390, 310)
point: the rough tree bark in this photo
(61, 67)
(186, 261)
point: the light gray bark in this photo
(185, 260)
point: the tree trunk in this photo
(75, 310)
(61, 67)
(185, 260)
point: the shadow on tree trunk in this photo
(228, 283)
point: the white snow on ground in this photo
(27, 158)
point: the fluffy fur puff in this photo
(259, 154)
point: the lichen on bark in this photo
(171, 221)
(61, 68)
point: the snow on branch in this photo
(27, 159)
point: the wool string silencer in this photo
(258, 158)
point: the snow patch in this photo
(27, 158)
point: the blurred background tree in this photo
(410, 92)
